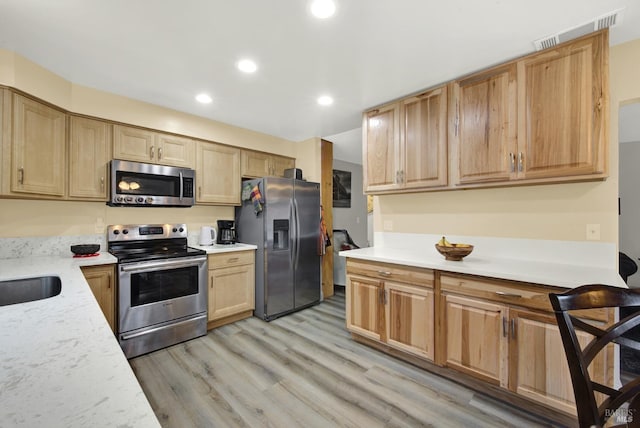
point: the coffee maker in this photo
(226, 232)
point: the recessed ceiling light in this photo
(325, 100)
(247, 66)
(203, 98)
(323, 8)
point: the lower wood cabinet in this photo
(231, 287)
(505, 334)
(101, 279)
(392, 306)
(491, 332)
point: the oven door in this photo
(155, 292)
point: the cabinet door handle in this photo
(512, 161)
(233, 260)
(504, 327)
(504, 294)
(456, 122)
(21, 175)
(520, 161)
(513, 328)
(102, 183)
(380, 296)
(384, 294)
(151, 152)
(384, 273)
(199, 191)
(160, 153)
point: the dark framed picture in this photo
(341, 189)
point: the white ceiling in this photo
(371, 51)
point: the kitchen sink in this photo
(29, 289)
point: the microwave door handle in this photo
(181, 186)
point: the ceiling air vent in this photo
(605, 21)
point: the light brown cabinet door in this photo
(231, 291)
(89, 155)
(101, 279)
(255, 164)
(381, 145)
(217, 174)
(539, 365)
(562, 123)
(423, 140)
(365, 307)
(410, 318)
(39, 148)
(134, 144)
(175, 151)
(475, 338)
(280, 163)
(484, 126)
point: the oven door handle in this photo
(153, 330)
(163, 264)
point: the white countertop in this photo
(60, 364)
(220, 248)
(536, 272)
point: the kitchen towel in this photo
(256, 198)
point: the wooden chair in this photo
(579, 359)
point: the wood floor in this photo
(303, 370)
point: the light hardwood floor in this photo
(303, 370)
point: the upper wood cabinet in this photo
(142, 145)
(542, 118)
(563, 110)
(89, 155)
(483, 140)
(260, 164)
(423, 140)
(381, 148)
(38, 149)
(217, 174)
(405, 144)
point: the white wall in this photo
(353, 219)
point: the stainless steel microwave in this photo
(143, 184)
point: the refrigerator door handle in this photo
(296, 234)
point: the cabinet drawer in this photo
(521, 295)
(388, 271)
(234, 258)
(517, 294)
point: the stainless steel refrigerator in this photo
(287, 233)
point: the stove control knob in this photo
(181, 230)
(139, 200)
(174, 230)
(149, 200)
(125, 231)
(129, 199)
(119, 198)
(116, 232)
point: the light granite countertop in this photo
(60, 364)
(565, 275)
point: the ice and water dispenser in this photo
(281, 234)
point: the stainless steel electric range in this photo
(162, 286)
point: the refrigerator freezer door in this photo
(279, 245)
(306, 262)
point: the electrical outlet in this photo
(388, 225)
(593, 232)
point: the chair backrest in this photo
(579, 358)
